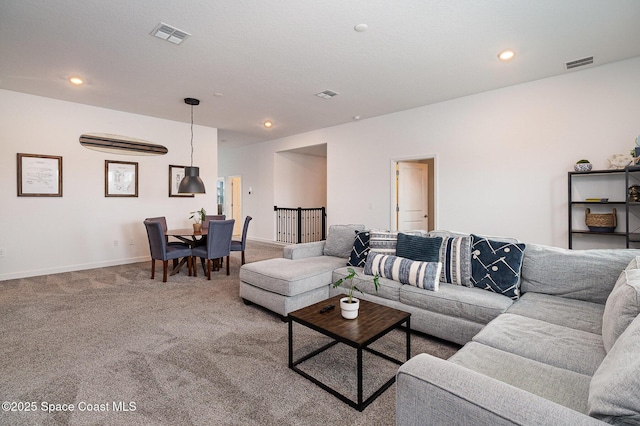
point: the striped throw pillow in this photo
(383, 241)
(455, 256)
(425, 275)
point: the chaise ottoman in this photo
(285, 285)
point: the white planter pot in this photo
(349, 310)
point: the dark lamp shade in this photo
(191, 182)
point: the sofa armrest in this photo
(435, 391)
(303, 250)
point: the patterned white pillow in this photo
(383, 241)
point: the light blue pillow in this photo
(425, 275)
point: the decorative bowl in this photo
(583, 167)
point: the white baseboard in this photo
(72, 268)
(264, 240)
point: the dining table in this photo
(188, 236)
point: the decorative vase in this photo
(349, 310)
(197, 227)
(583, 167)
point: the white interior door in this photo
(413, 195)
(236, 204)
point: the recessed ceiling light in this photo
(218, 95)
(361, 28)
(268, 124)
(76, 81)
(506, 55)
(356, 117)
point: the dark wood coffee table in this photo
(373, 322)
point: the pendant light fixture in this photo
(191, 182)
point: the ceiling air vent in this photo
(578, 63)
(169, 33)
(327, 94)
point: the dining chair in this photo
(160, 250)
(209, 217)
(239, 245)
(218, 243)
(205, 225)
(163, 221)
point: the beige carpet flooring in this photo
(127, 350)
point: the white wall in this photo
(300, 180)
(501, 157)
(77, 231)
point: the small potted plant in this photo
(349, 305)
(583, 166)
(198, 217)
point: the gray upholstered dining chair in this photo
(160, 250)
(218, 243)
(239, 245)
(203, 241)
(163, 222)
(210, 217)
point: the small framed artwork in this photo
(120, 179)
(176, 173)
(39, 175)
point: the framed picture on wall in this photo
(176, 173)
(120, 179)
(39, 175)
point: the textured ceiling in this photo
(268, 59)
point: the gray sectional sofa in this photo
(567, 351)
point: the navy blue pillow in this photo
(414, 247)
(360, 249)
(495, 266)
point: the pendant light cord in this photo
(191, 135)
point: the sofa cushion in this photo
(303, 250)
(565, 387)
(572, 313)
(615, 386)
(423, 275)
(455, 256)
(495, 266)
(623, 305)
(634, 264)
(290, 277)
(416, 247)
(552, 344)
(387, 289)
(340, 240)
(593, 272)
(468, 303)
(383, 241)
(360, 249)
